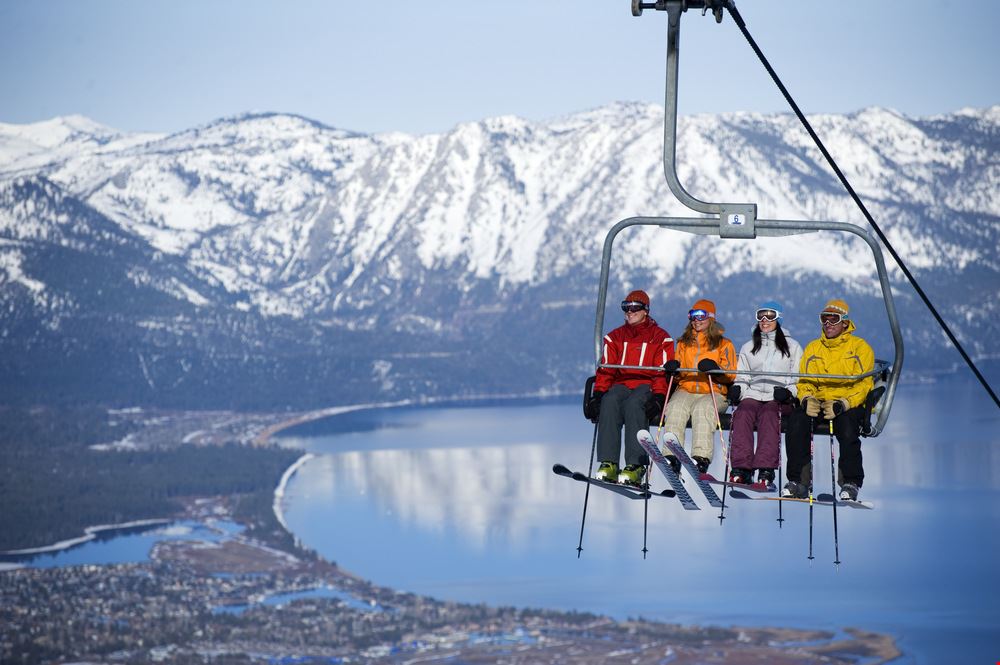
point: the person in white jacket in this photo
(762, 398)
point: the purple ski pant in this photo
(763, 416)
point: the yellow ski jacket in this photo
(844, 354)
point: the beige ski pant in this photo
(699, 409)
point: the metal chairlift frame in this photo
(739, 220)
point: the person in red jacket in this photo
(629, 397)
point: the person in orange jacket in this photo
(704, 347)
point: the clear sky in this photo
(425, 66)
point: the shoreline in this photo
(279, 491)
(264, 437)
(90, 533)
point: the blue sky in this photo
(426, 66)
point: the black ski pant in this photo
(847, 429)
(622, 406)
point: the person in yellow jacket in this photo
(836, 352)
(702, 346)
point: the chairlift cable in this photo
(857, 200)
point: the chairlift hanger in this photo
(738, 220)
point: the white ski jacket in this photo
(767, 359)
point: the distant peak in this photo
(279, 120)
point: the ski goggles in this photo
(831, 317)
(632, 306)
(700, 315)
(766, 315)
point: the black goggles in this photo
(632, 306)
(766, 315)
(831, 317)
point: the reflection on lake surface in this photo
(461, 504)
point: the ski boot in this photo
(608, 472)
(741, 476)
(766, 477)
(702, 463)
(794, 490)
(675, 464)
(848, 492)
(632, 475)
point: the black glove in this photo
(654, 407)
(735, 394)
(782, 395)
(593, 410)
(671, 367)
(707, 365)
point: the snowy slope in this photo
(275, 225)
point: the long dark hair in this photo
(779, 340)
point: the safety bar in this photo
(880, 367)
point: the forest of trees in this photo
(52, 485)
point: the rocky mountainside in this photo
(268, 260)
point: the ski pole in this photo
(833, 490)
(725, 449)
(780, 517)
(649, 471)
(586, 494)
(663, 413)
(645, 521)
(649, 468)
(812, 424)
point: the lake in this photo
(460, 503)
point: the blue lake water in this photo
(461, 503)
(129, 545)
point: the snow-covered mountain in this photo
(268, 259)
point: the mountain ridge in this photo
(269, 228)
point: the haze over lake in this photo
(461, 504)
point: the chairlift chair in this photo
(740, 221)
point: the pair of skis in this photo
(628, 491)
(656, 457)
(643, 492)
(823, 499)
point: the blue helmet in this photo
(770, 304)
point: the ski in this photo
(675, 446)
(759, 488)
(624, 490)
(646, 441)
(859, 505)
(818, 500)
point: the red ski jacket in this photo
(646, 345)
